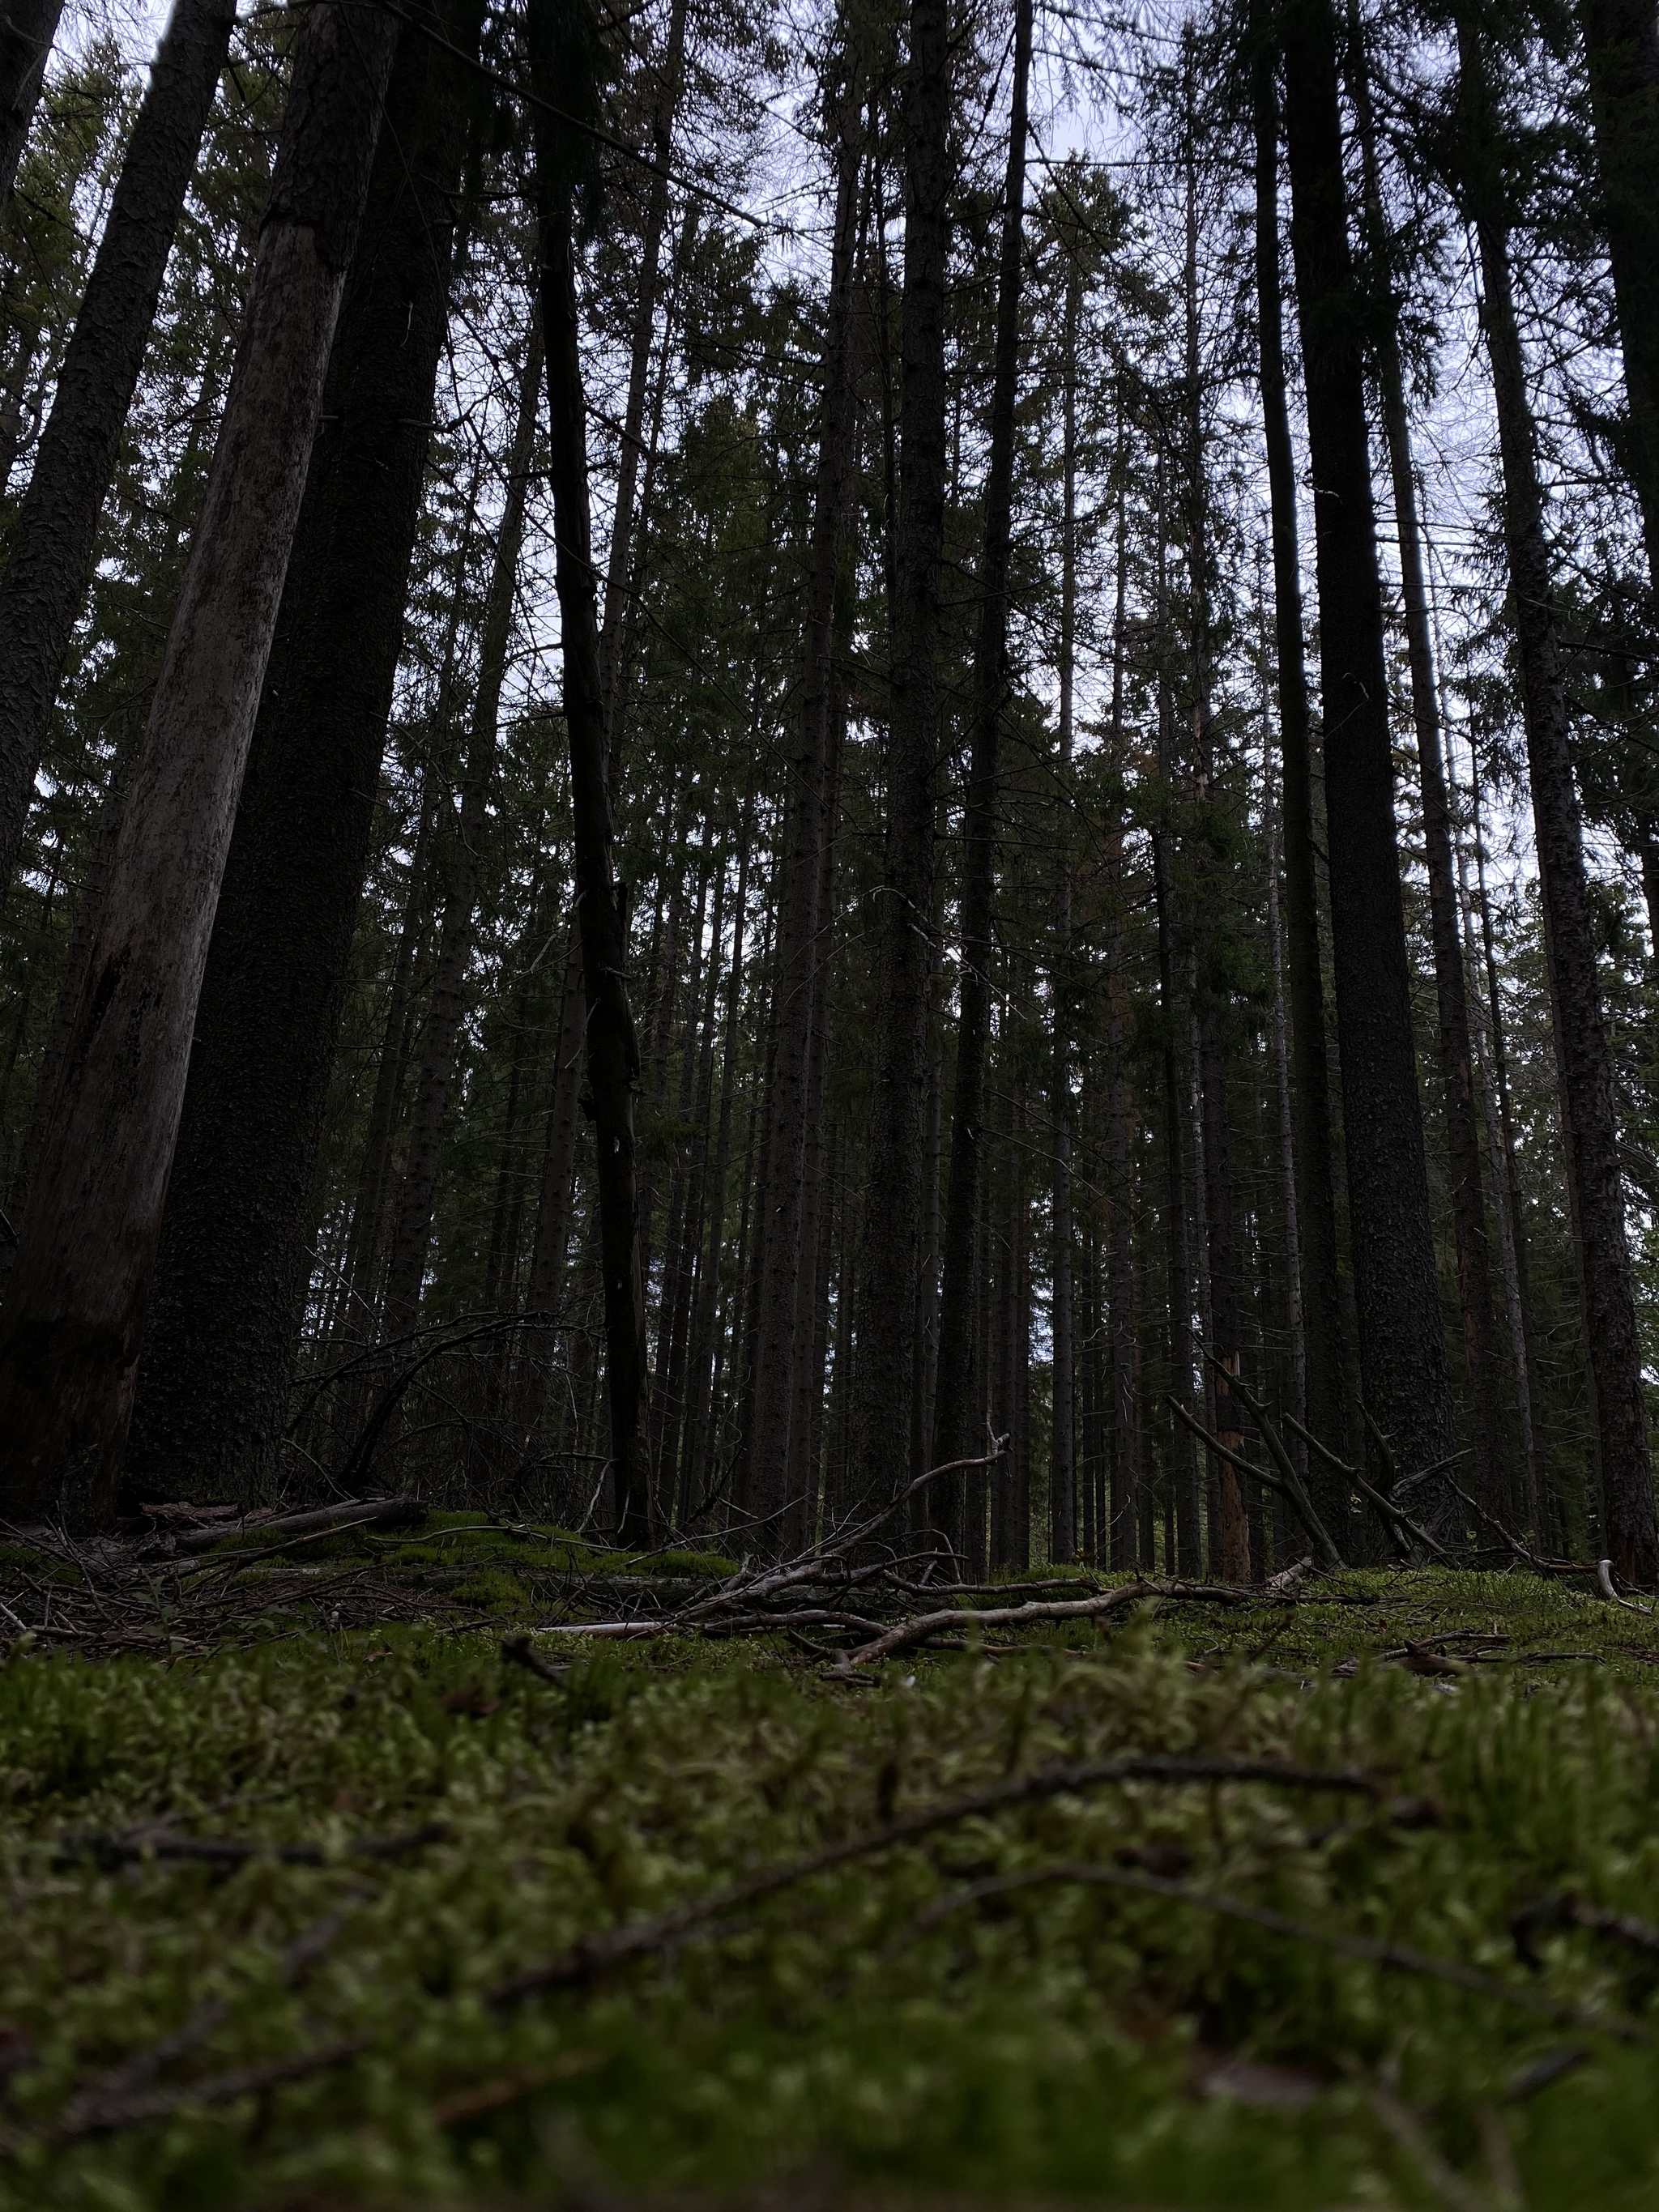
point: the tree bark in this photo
(1621, 45)
(73, 1321)
(960, 1395)
(1403, 1344)
(56, 524)
(1064, 1535)
(236, 1249)
(27, 29)
(613, 1054)
(1311, 1090)
(804, 829)
(1451, 994)
(892, 1219)
(1590, 1113)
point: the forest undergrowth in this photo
(1337, 1899)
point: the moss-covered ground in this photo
(330, 2030)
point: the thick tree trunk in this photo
(1621, 45)
(464, 853)
(1402, 1343)
(27, 29)
(804, 829)
(51, 539)
(73, 1321)
(1456, 1064)
(1590, 1113)
(235, 1251)
(892, 1220)
(613, 1054)
(1311, 1090)
(960, 1395)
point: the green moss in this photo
(1054, 2040)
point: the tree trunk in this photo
(1401, 1339)
(1621, 45)
(27, 31)
(51, 539)
(1062, 1457)
(960, 1393)
(613, 1054)
(1224, 1346)
(464, 856)
(1589, 1116)
(670, 75)
(1451, 994)
(887, 1275)
(235, 1253)
(73, 1321)
(804, 828)
(1311, 1089)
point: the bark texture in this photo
(892, 1220)
(961, 1392)
(1310, 1092)
(1590, 1112)
(73, 1323)
(613, 1054)
(27, 29)
(1401, 1342)
(235, 1252)
(52, 543)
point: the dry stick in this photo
(1289, 1483)
(639, 1938)
(1298, 1504)
(1402, 1956)
(1539, 1564)
(1604, 1583)
(1399, 1525)
(213, 2089)
(382, 1510)
(1013, 1616)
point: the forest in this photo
(828, 1122)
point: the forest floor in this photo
(1344, 1899)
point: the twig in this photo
(640, 1938)
(1604, 1583)
(1290, 1482)
(1014, 1616)
(1401, 1956)
(1398, 1525)
(1298, 1504)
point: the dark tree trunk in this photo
(1621, 45)
(1451, 991)
(53, 538)
(1311, 1090)
(27, 29)
(235, 1244)
(801, 867)
(1062, 1458)
(960, 1395)
(1402, 1341)
(73, 1321)
(463, 849)
(892, 1220)
(613, 1054)
(1589, 1114)
(1225, 1345)
(669, 74)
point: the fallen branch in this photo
(359, 1513)
(1310, 1521)
(925, 1625)
(1399, 1525)
(1604, 1583)
(638, 1939)
(1289, 1483)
